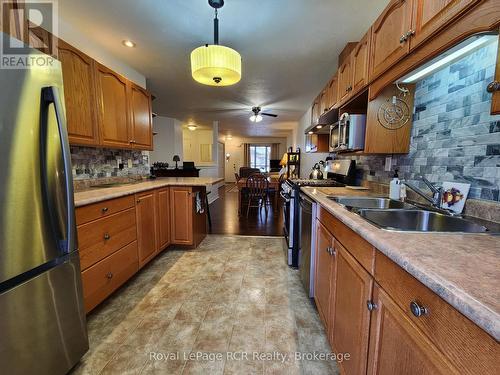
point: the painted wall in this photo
(235, 148)
(308, 159)
(168, 141)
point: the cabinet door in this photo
(146, 226)
(494, 87)
(141, 118)
(324, 270)
(397, 346)
(430, 16)
(323, 100)
(163, 222)
(345, 81)
(315, 112)
(352, 318)
(181, 206)
(333, 88)
(389, 41)
(113, 115)
(14, 20)
(79, 95)
(360, 58)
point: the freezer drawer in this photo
(42, 322)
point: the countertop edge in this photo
(486, 318)
(108, 193)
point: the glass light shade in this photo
(255, 118)
(216, 65)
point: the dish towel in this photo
(199, 204)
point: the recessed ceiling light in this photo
(229, 137)
(319, 126)
(192, 127)
(128, 43)
(310, 132)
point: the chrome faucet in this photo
(437, 192)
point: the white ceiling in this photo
(289, 50)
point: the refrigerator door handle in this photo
(50, 95)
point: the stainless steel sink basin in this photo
(419, 221)
(371, 203)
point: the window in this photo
(259, 157)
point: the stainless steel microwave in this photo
(348, 134)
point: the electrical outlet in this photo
(129, 163)
(388, 163)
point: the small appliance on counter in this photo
(316, 173)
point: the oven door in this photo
(286, 214)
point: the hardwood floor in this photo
(225, 219)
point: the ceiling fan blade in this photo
(268, 114)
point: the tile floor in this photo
(233, 294)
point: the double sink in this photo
(395, 215)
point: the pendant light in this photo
(213, 64)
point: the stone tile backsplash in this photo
(454, 137)
(90, 162)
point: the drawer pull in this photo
(109, 275)
(107, 236)
(371, 305)
(104, 209)
(493, 87)
(417, 309)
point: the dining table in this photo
(274, 184)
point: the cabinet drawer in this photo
(102, 237)
(103, 209)
(359, 248)
(100, 280)
(470, 348)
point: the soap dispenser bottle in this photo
(395, 187)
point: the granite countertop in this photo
(94, 195)
(464, 269)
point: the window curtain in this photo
(246, 154)
(275, 151)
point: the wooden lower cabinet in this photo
(352, 317)
(181, 203)
(397, 346)
(325, 267)
(104, 277)
(146, 226)
(163, 218)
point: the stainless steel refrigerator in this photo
(42, 318)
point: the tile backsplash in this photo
(90, 162)
(454, 137)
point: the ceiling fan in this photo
(257, 114)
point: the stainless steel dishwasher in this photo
(307, 239)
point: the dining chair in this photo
(257, 186)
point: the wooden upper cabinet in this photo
(113, 108)
(360, 66)
(494, 86)
(14, 20)
(141, 118)
(323, 101)
(430, 16)
(389, 41)
(181, 219)
(324, 271)
(79, 95)
(146, 226)
(345, 80)
(351, 323)
(163, 219)
(333, 91)
(315, 111)
(397, 346)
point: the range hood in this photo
(327, 118)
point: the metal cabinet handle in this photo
(417, 309)
(403, 38)
(107, 236)
(109, 275)
(104, 209)
(493, 87)
(371, 305)
(410, 33)
(138, 201)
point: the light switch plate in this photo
(388, 164)
(129, 163)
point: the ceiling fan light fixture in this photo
(256, 118)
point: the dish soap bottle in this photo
(395, 187)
